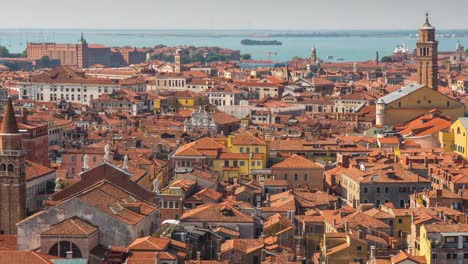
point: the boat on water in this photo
(329, 57)
(340, 59)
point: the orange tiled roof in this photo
(245, 246)
(72, 227)
(26, 257)
(222, 212)
(296, 161)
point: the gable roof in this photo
(402, 92)
(72, 227)
(110, 173)
(296, 161)
(221, 212)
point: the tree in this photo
(4, 52)
(386, 59)
(44, 60)
(24, 54)
(246, 56)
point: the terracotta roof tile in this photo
(73, 227)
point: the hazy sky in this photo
(232, 14)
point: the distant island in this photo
(260, 42)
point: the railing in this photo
(11, 152)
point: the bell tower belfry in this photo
(426, 55)
(12, 173)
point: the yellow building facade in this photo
(412, 101)
(456, 139)
(244, 152)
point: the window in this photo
(386, 189)
(256, 150)
(241, 149)
(305, 177)
(429, 101)
(377, 203)
(400, 221)
(60, 249)
(286, 176)
(434, 256)
(241, 163)
(366, 190)
(378, 189)
(295, 177)
(465, 255)
(451, 239)
(359, 248)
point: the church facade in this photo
(414, 100)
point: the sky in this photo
(232, 14)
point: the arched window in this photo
(11, 168)
(3, 167)
(458, 131)
(60, 249)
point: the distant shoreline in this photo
(142, 33)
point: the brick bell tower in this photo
(12, 173)
(426, 54)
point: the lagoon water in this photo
(349, 46)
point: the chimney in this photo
(410, 250)
(69, 254)
(198, 257)
(157, 258)
(372, 254)
(24, 115)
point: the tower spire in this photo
(9, 125)
(427, 24)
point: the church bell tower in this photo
(12, 173)
(426, 55)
